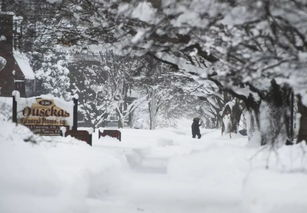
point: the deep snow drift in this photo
(149, 171)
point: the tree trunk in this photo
(152, 106)
(235, 116)
(120, 123)
(273, 126)
(302, 133)
(121, 119)
(275, 112)
(252, 120)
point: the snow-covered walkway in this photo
(168, 171)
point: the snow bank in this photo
(218, 168)
(282, 186)
(54, 175)
(164, 171)
(228, 171)
(272, 192)
(5, 108)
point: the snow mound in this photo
(6, 108)
(162, 170)
(51, 174)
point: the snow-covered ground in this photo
(161, 171)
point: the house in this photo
(17, 73)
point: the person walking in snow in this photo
(195, 128)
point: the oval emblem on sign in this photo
(45, 102)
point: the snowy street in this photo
(179, 179)
(149, 171)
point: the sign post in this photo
(15, 95)
(75, 115)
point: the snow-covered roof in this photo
(24, 64)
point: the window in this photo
(19, 84)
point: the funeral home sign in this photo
(44, 115)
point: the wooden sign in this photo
(44, 115)
(111, 133)
(80, 135)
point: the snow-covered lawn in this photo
(161, 171)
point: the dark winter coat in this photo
(195, 126)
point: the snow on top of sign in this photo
(24, 64)
(16, 94)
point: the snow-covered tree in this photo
(246, 44)
(53, 75)
(162, 86)
(104, 82)
(247, 48)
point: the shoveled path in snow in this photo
(168, 171)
